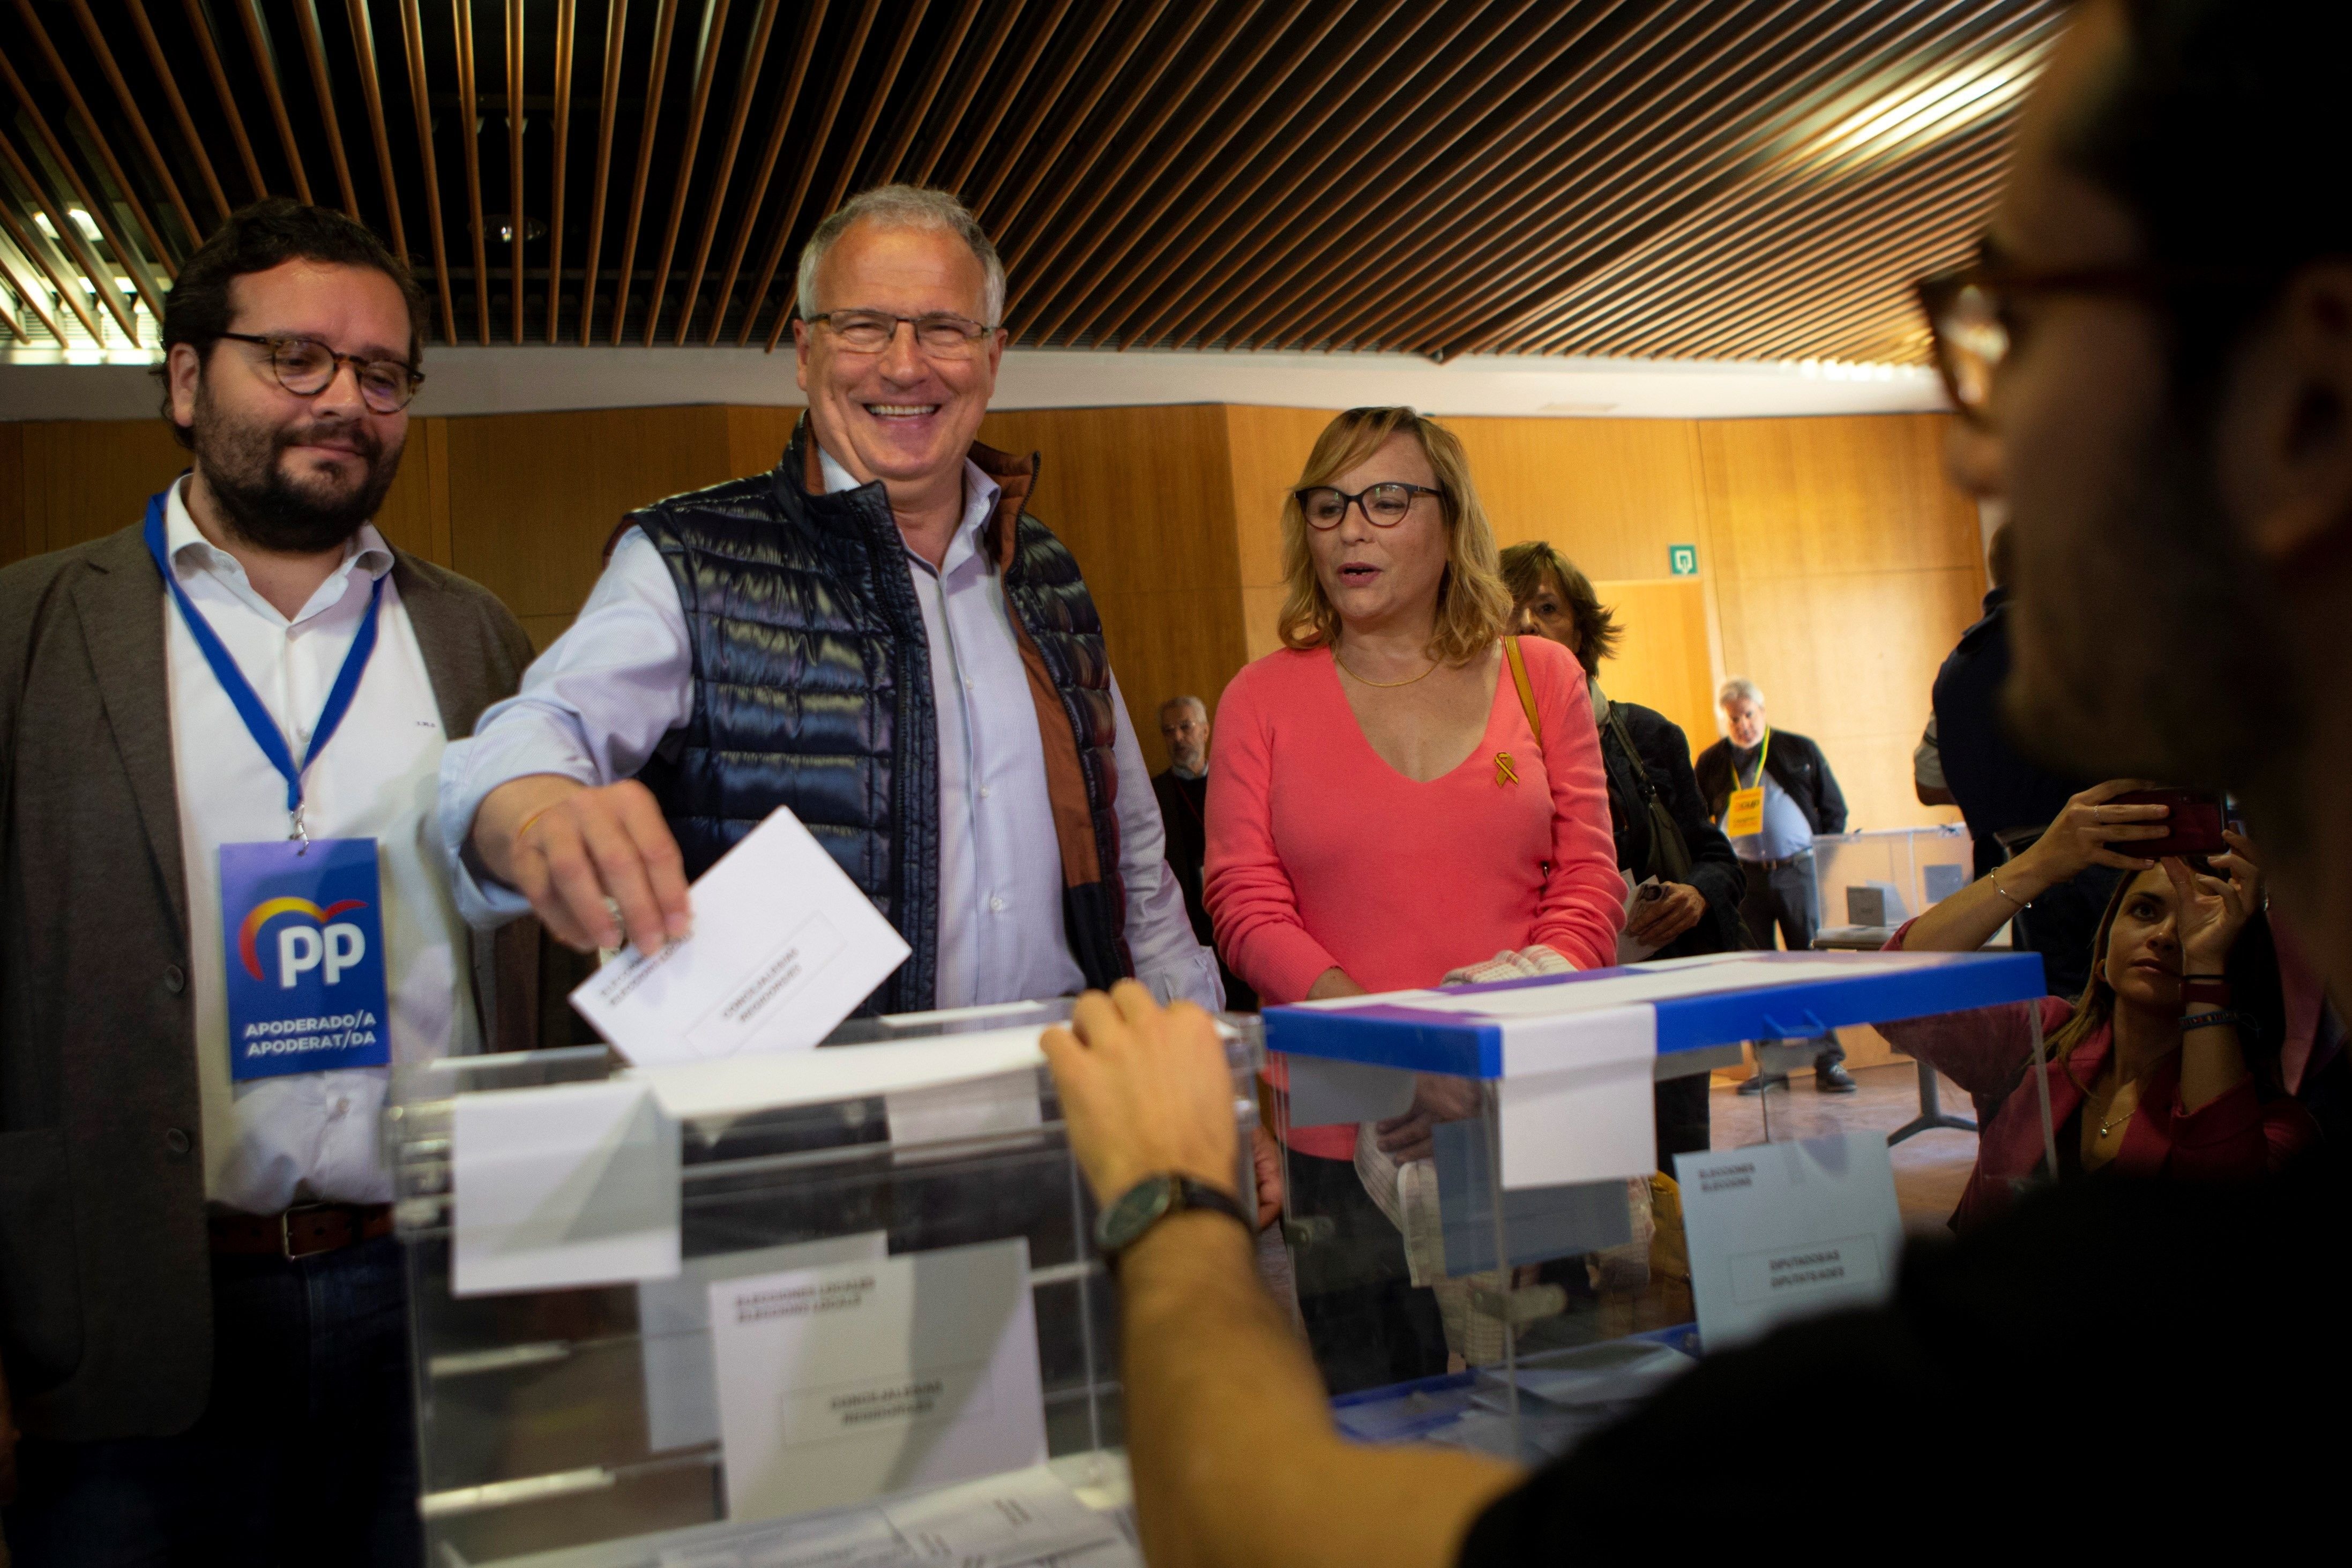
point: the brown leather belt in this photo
(303, 1231)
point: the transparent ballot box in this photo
(1487, 1248)
(838, 1305)
(1883, 878)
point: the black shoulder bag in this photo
(1670, 858)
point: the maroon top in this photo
(2235, 1136)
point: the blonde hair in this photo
(1473, 607)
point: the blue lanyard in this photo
(248, 705)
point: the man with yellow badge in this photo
(1770, 791)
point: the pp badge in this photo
(303, 925)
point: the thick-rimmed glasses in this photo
(1383, 505)
(1971, 312)
(942, 334)
(306, 367)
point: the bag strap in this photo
(1527, 692)
(1647, 785)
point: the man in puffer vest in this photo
(873, 634)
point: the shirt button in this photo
(983, 792)
(175, 979)
(996, 906)
(175, 1143)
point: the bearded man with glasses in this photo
(875, 634)
(221, 727)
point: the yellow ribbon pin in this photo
(1504, 773)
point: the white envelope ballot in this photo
(785, 947)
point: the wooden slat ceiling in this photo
(1753, 179)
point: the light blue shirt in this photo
(1786, 831)
(595, 705)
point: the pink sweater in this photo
(1322, 855)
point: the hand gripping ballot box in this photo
(836, 1306)
(1486, 1250)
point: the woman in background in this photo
(1401, 795)
(2168, 1067)
(1664, 833)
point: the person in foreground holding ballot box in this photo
(1401, 795)
(875, 634)
(2162, 134)
(225, 920)
(2168, 1063)
(1687, 883)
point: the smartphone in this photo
(2195, 823)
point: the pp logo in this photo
(327, 944)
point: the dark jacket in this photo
(812, 691)
(1184, 809)
(1997, 790)
(105, 1297)
(1794, 761)
(1664, 757)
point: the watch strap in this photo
(1192, 1194)
(1181, 1193)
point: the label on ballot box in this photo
(841, 1384)
(1779, 1231)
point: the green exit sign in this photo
(1682, 560)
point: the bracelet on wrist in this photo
(2218, 1018)
(1994, 878)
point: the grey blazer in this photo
(105, 1295)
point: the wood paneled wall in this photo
(1836, 565)
(1142, 498)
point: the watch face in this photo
(1132, 1214)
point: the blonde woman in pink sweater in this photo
(1389, 807)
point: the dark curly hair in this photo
(1524, 566)
(271, 233)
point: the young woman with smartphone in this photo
(2168, 1064)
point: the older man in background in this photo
(875, 634)
(1183, 792)
(1775, 841)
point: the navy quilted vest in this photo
(813, 690)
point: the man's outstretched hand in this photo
(1145, 1090)
(570, 848)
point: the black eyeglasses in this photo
(1972, 316)
(306, 367)
(1383, 505)
(941, 333)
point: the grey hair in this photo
(1195, 703)
(906, 207)
(1738, 688)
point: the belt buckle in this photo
(286, 1231)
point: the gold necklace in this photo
(2114, 1120)
(1383, 685)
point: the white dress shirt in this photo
(273, 1141)
(595, 705)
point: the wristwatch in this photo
(1154, 1199)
